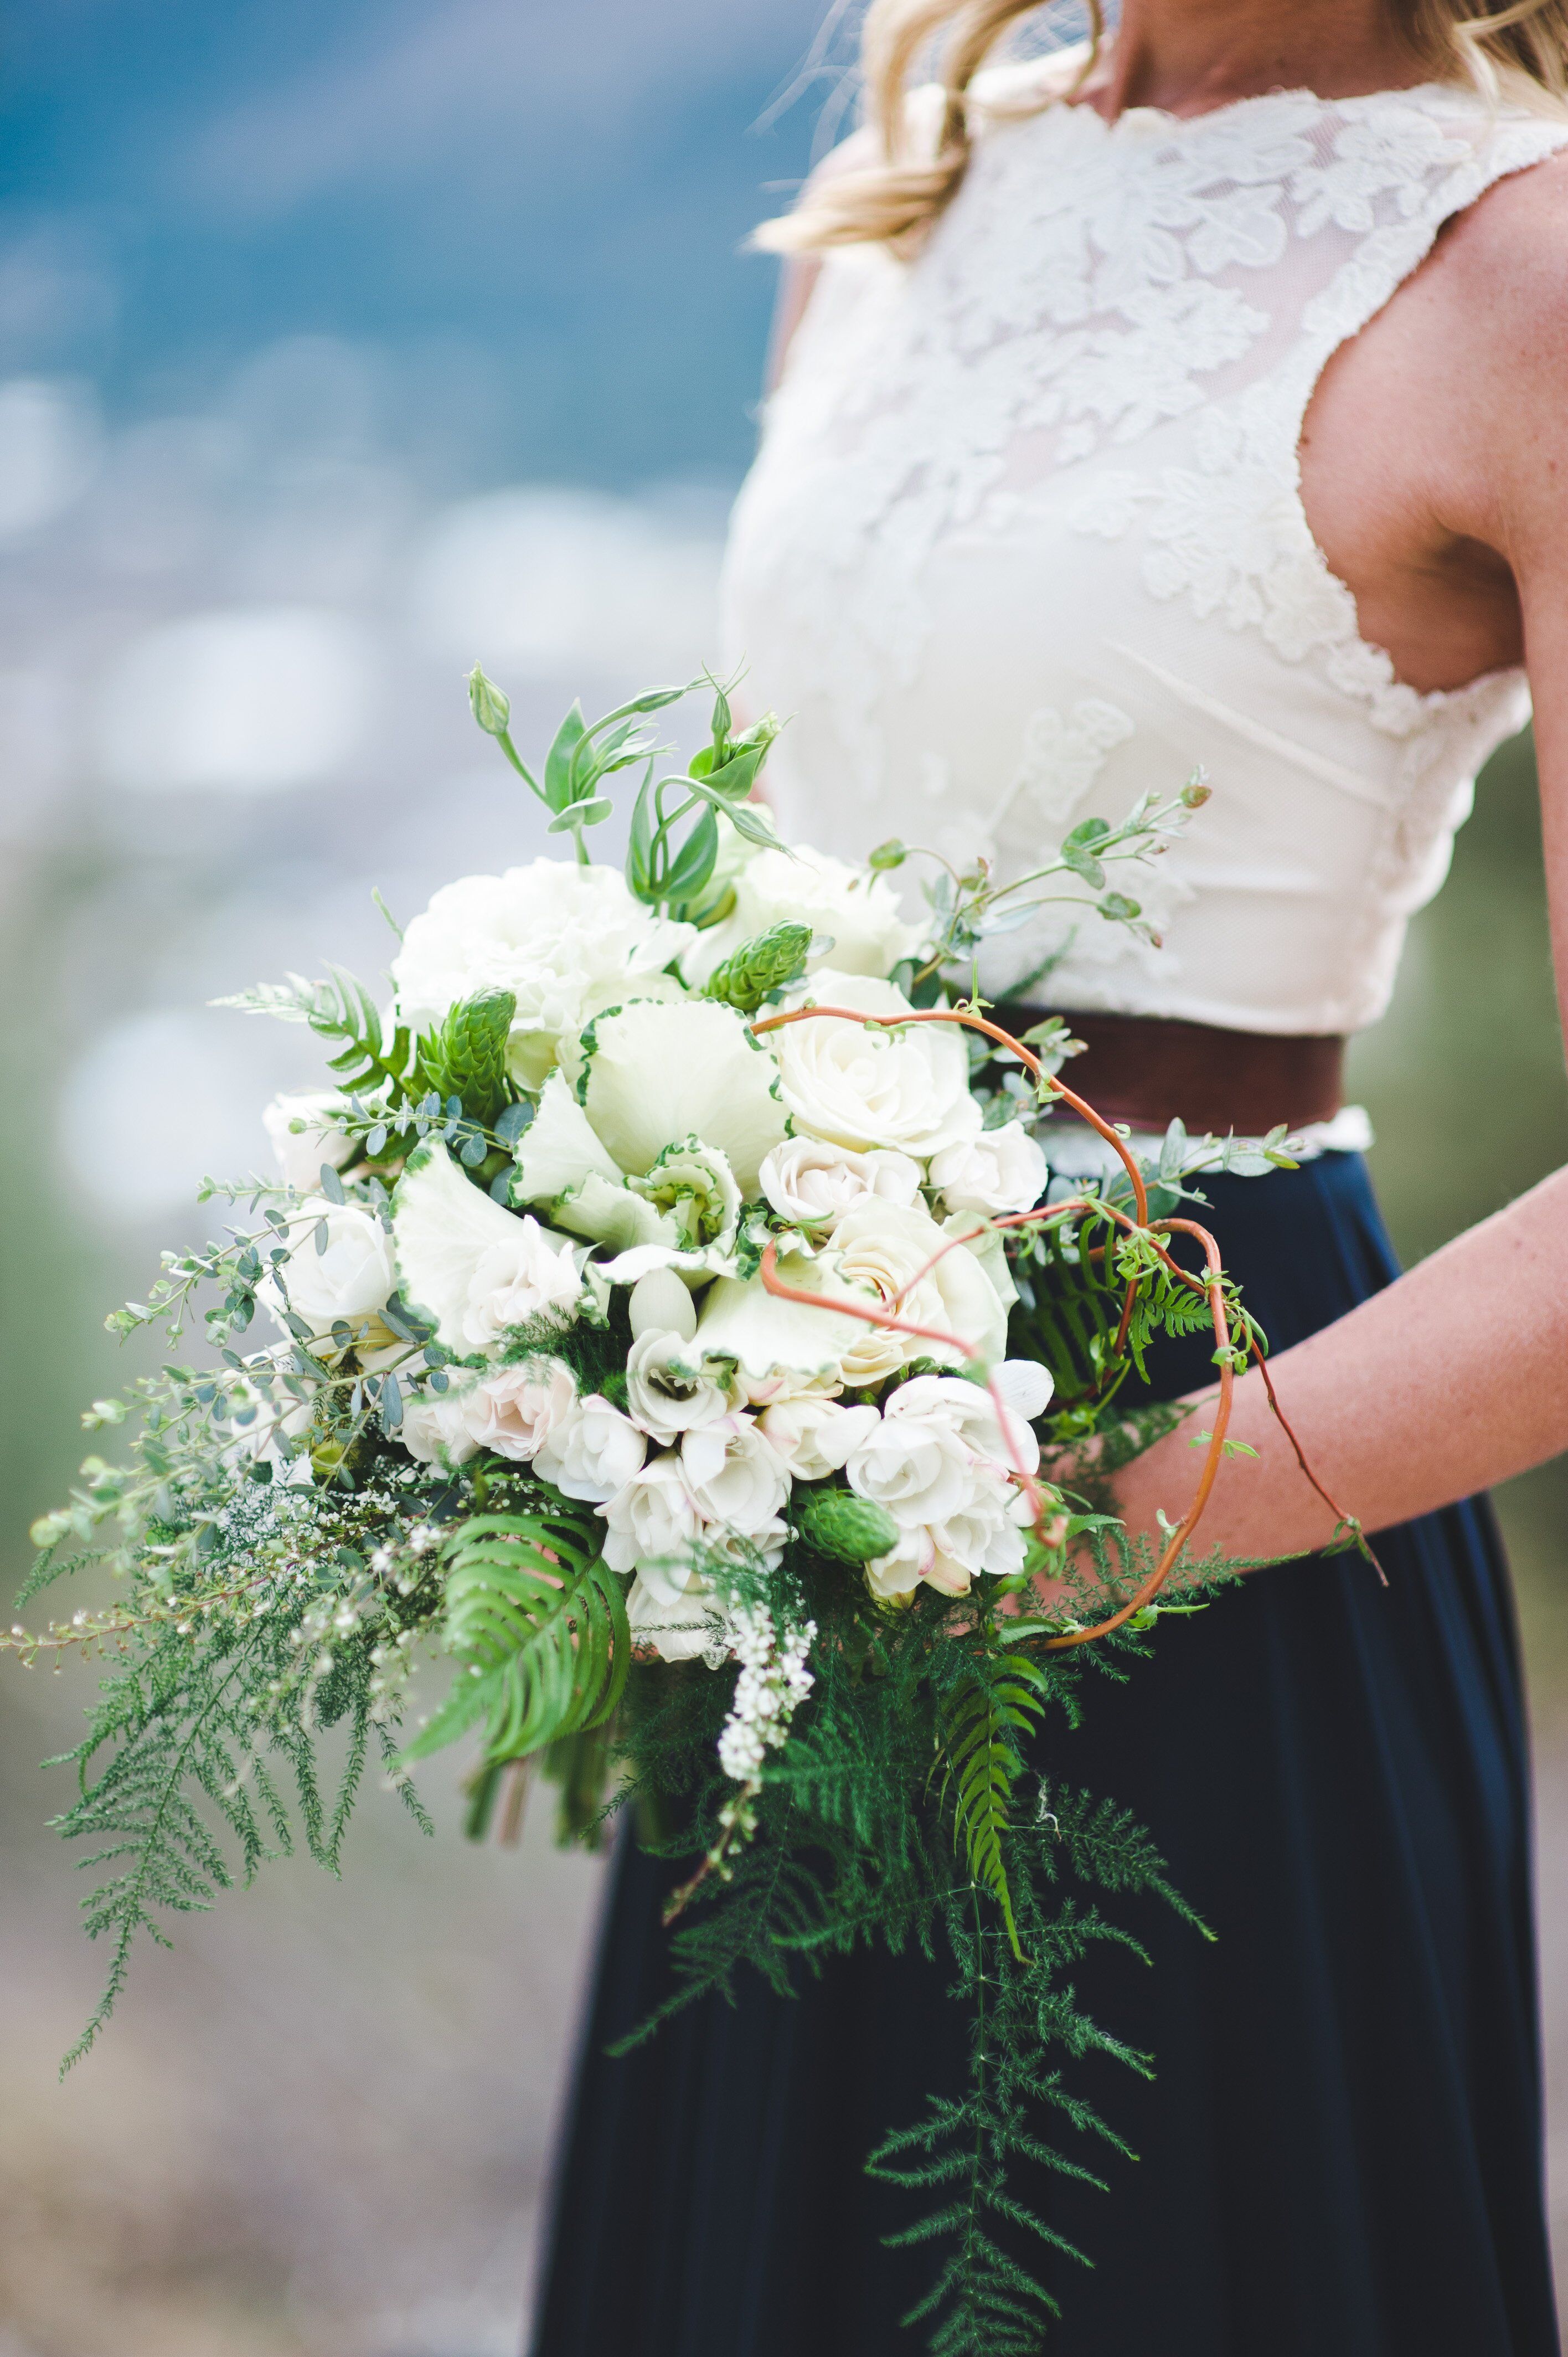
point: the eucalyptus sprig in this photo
(969, 905)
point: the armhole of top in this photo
(1383, 265)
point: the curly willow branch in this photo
(1210, 1284)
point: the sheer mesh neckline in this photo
(1161, 118)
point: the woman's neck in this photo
(1188, 57)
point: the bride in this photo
(1197, 397)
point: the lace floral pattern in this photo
(1063, 755)
(1112, 338)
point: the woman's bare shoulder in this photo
(1505, 258)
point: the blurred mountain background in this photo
(339, 346)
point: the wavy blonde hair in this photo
(1517, 51)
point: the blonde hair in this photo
(1518, 51)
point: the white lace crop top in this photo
(1025, 540)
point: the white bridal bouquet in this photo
(659, 1317)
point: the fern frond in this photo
(537, 1624)
(371, 1054)
(977, 1731)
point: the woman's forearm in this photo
(1453, 1378)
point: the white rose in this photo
(519, 1277)
(763, 1547)
(679, 1625)
(855, 907)
(999, 1170)
(651, 1524)
(514, 1409)
(669, 1390)
(902, 1258)
(915, 1465)
(736, 1477)
(970, 1412)
(434, 1429)
(864, 1087)
(567, 940)
(983, 1533)
(901, 1570)
(300, 1154)
(986, 1535)
(347, 1284)
(813, 1184)
(593, 1453)
(814, 1435)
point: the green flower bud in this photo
(1196, 791)
(466, 1059)
(890, 853)
(491, 709)
(852, 1530)
(765, 963)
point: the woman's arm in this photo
(1453, 1378)
(1456, 1376)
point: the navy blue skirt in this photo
(1339, 2154)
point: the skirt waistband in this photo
(1149, 1070)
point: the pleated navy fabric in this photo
(1340, 2153)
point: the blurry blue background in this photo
(340, 345)
(527, 215)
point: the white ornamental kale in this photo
(472, 1268)
(566, 940)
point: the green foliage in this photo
(912, 1703)
(210, 1727)
(674, 873)
(983, 1723)
(970, 909)
(581, 756)
(340, 1009)
(769, 962)
(537, 1625)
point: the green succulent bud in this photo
(491, 709)
(765, 962)
(466, 1058)
(854, 1530)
